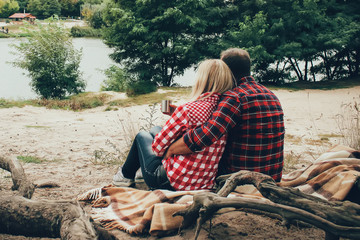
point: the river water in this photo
(14, 84)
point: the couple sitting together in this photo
(233, 123)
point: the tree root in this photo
(335, 218)
(40, 218)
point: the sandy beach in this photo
(74, 144)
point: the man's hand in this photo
(178, 147)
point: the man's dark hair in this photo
(238, 61)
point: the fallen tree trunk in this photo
(335, 218)
(65, 220)
(40, 218)
(20, 182)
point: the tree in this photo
(8, 7)
(22, 4)
(44, 8)
(92, 13)
(302, 38)
(51, 60)
(157, 40)
(70, 7)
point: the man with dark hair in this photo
(252, 117)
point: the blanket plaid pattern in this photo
(330, 177)
(135, 211)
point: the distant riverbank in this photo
(15, 83)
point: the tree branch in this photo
(20, 182)
(336, 218)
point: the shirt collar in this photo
(209, 96)
(245, 80)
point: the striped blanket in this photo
(136, 211)
(329, 177)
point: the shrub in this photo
(140, 87)
(77, 31)
(120, 80)
(349, 124)
(51, 60)
(117, 79)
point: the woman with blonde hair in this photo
(181, 172)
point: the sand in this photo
(75, 147)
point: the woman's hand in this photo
(172, 109)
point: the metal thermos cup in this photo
(165, 106)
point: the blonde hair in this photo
(214, 76)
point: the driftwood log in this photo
(40, 218)
(335, 218)
(20, 182)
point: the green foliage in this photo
(120, 80)
(70, 7)
(30, 159)
(51, 61)
(8, 7)
(140, 87)
(300, 39)
(43, 9)
(157, 40)
(76, 103)
(78, 31)
(117, 79)
(10, 103)
(92, 13)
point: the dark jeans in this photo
(142, 156)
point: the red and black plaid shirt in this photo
(252, 117)
(197, 170)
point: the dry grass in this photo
(293, 139)
(92, 100)
(291, 161)
(349, 124)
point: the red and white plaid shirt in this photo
(197, 170)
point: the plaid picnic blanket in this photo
(136, 211)
(329, 177)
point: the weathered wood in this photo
(65, 219)
(343, 213)
(41, 218)
(20, 182)
(335, 218)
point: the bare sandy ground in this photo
(73, 144)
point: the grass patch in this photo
(76, 103)
(291, 160)
(317, 142)
(293, 138)
(10, 103)
(86, 31)
(30, 159)
(92, 100)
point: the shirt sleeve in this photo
(221, 122)
(173, 129)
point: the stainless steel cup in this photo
(165, 106)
